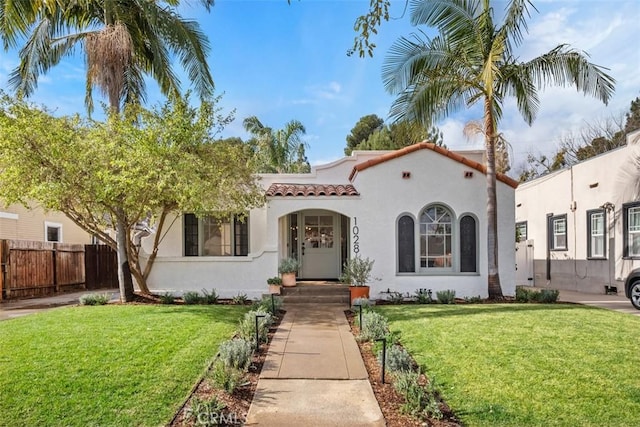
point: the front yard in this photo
(107, 365)
(527, 364)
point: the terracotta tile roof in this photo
(310, 190)
(440, 150)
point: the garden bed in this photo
(388, 398)
(237, 403)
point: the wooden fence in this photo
(101, 267)
(35, 269)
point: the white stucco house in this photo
(419, 212)
(580, 226)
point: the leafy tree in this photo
(364, 128)
(367, 26)
(136, 168)
(633, 117)
(278, 151)
(471, 60)
(122, 41)
(401, 134)
(594, 138)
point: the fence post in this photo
(56, 286)
(2, 270)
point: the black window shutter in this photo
(468, 244)
(406, 245)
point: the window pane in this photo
(53, 234)
(596, 234)
(435, 237)
(560, 233)
(634, 220)
(217, 237)
(597, 246)
(634, 246)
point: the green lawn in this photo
(516, 364)
(108, 365)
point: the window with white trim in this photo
(559, 233)
(52, 232)
(631, 224)
(436, 237)
(211, 236)
(596, 234)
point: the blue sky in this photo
(281, 62)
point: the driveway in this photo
(610, 302)
(11, 309)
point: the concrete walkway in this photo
(313, 374)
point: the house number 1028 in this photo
(355, 230)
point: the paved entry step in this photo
(312, 293)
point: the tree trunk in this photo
(494, 288)
(125, 282)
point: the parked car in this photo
(632, 288)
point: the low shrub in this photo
(264, 304)
(209, 297)
(446, 297)
(395, 298)
(240, 299)
(397, 359)
(545, 296)
(375, 326)
(419, 401)
(549, 296)
(191, 297)
(247, 327)
(167, 298)
(236, 353)
(422, 296)
(95, 299)
(204, 411)
(364, 302)
(473, 300)
(226, 377)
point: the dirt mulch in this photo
(388, 398)
(238, 403)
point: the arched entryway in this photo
(319, 239)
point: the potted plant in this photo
(357, 273)
(288, 269)
(274, 285)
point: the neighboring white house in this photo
(18, 222)
(419, 212)
(580, 226)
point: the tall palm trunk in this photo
(495, 290)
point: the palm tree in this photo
(281, 150)
(123, 41)
(471, 60)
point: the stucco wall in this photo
(384, 196)
(434, 179)
(573, 191)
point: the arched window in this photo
(406, 245)
(436, 237)
(468, 244)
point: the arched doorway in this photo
(319, 240)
